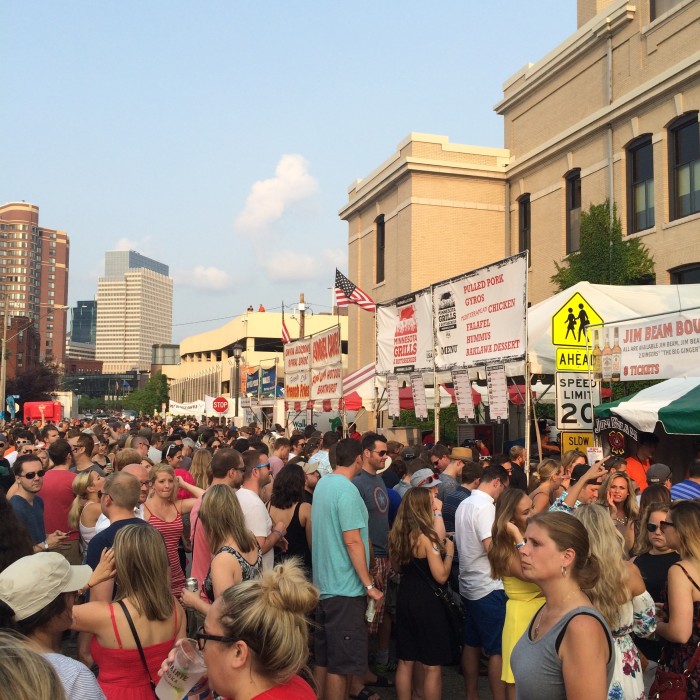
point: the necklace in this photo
(621, 521)
(536, 631)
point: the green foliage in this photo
(604, 257)
(448, 422)
(151, 397)
(35, 384)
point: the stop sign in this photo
(220, 405)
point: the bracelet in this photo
(520, 545)
(438, 515)
(281, 534)
(449, 556)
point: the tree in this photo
(604, 257)
(151, 397)
(35, 384)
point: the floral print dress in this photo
(638, 616)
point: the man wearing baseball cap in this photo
(452, 474)
(659, 474)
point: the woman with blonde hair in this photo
(422, 627)
(525, 598)
(144, 598)
(617, 494)
(86, 509)
(680, 626)
(622, 598)
(569, 460)
(255, 636)
(550, 474)
(199, 469)
(236, 554)
(164, 511)
(24, 674)
(567, 650)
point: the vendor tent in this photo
(612, 303)
(673, 403)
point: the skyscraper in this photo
(84, 322)
(34, 274)
(134, 310)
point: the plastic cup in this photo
(183, 673)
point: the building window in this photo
(524, 241)
(573, 210)
(381, 248)
(660, 7)
(687, 274)
(684, 146)
(640, 189)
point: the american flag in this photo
(347, 293)
(285, 332)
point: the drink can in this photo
(371, 610)
(191, 584)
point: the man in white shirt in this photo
(255, 477)
(483, 597)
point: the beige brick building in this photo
(611, 113)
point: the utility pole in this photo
(302, 311)
(3, 362)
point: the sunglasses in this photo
(435, 462)
(262, 466)
(381, 453)
(651, 527)
(424, 481)
(2, 444)
(148, 482)
(41, 472)
(664, 524)
(101, 493)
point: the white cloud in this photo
(143, 246)
(291, 265)
(268, 199)
(204, 278)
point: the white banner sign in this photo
(660, 348)
(326, 348)
(297, 356)
(419, 400)
(480, 317)
(463, 394)
(392, 390)
(405, 334)
(497, 385)
(575, 394)
(193, 408)
(297, 386)
(327, 382)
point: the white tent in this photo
(612, 303)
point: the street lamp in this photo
(237, 352)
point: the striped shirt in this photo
(685, 490)
(77, 679)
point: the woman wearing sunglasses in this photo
(653, 559)
(680, 619)
(255, 637)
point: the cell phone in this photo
(70, 532)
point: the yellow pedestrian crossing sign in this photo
(570, 322)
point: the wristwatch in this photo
(370, 586)
(45, 545)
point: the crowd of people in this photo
(318, 565)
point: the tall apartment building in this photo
(134, 311)
(34, 275)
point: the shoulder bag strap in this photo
(138, 643)
(437, 590)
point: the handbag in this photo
(138, 643)
(453, 608)
(669, 685)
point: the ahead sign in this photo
(575, 394)
(220, 405)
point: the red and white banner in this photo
(297, 356)
(326, 348)
(480, 317)
(327, 382)
(405, 334)
(356, 379)
(657, 348)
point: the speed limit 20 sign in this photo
(576, 394)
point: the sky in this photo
(220, 137)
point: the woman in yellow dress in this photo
(524, 598)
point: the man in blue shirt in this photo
(690, 487)
(340, 554)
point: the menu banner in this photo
(326, 348)
(405, 334)
(420, 405)
(297, 386)
(297, 356)
(327, 382)
(497, 385)
(463, 394)
(480, 317)
(658, 348)
(392, 390)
